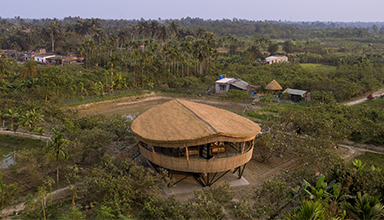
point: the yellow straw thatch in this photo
(179, 123)
(273, 86)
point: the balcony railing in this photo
(186, 164)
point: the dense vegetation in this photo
(334, 61)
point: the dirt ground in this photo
(120, 104)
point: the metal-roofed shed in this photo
(298, 95)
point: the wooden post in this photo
(187, 153)
(242, 148)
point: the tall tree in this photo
(55, 30)
(287, 46)
(29, 69)
(57, 150)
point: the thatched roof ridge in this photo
(273, 85)
(179, 123)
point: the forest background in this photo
(334, 61)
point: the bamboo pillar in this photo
(187, 153)
(242, 148)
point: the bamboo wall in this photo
(197, 165)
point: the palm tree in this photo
(99, 36)
(82, 28)
(55, 30)
(163, 34)
(143, 30)
(174, 27)
(155, 25)
(287, 46)
(122, 37)
(4, 61)
(29, 69)
(365, 207)
(200, 51)
(94, 25)
(58, 151)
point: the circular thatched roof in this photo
(180, 123)
(273, 86)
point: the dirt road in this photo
(363, 99)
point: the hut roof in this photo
(295, 91)
(179, 123)
(273, 85)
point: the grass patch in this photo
(262, 116)
(370, 159)
(104, 98)
(10, 141)
(285, 107)
(320, 68)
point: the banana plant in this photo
(358, 165)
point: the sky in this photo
(290, 10)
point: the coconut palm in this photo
(174, 27)
(163, 34)
(143, 30)
(29, 69)
(200, 52)
(155, 25)
(365, 207)
(57, 150)
(4, 62)
(55, 30)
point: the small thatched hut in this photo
(273, 85)
(195, 138)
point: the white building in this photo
(223, 85)
(276, 59)
(43, 58)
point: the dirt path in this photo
(360, 100)
(57, 194)
(25, 135)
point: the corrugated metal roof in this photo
(271, 58)
(295, 91)
(241, 84)
(225, 80)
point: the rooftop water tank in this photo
(220, 76)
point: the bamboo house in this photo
(196, 139)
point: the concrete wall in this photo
(217, 88)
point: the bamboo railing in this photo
(187, 164)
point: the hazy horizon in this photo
(294, 10)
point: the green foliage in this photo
(285, 96)
(323, 97)
(119, 186)
(74, 214)
(169, 208)
(365, 207)
(208, 203)
(270, 199)
(308, 210)
(262, 116)
(7, 192)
